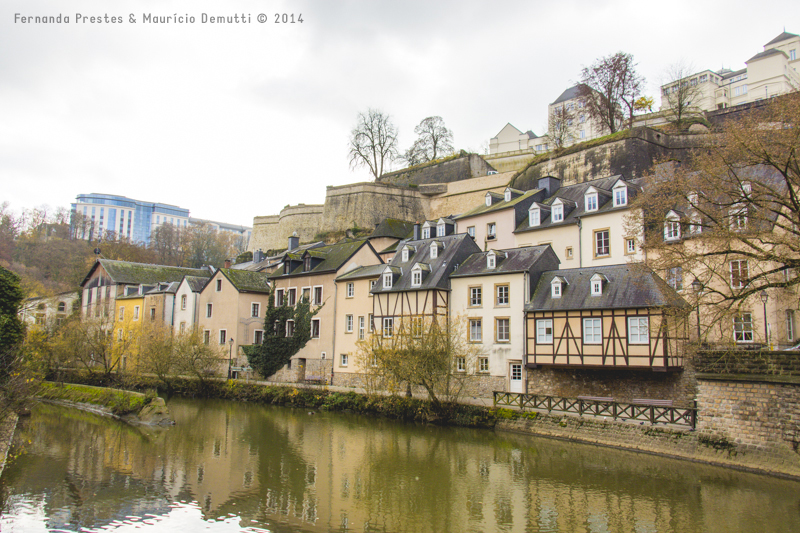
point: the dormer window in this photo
(404, 255)
(488, 200)
(695, 224)
(597, 284)
(440, 228)
(387, 279)
(416, 278)
(620, 195)
(434, 250)
(557, 214)
(738, 217)
(307, 263)
(672, 227)
(491, 261)
(507, 195)
(426, 233)
(591, 201)
(534, 217)
(555, 288)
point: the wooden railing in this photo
(681, 416)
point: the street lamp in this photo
(230, 357)
(697, 287)
(764, 297)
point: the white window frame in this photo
(223, 337)
(743, 327)
(502, 300)
(440, 230)
(507, 195)
(475, 296)
(597, 287)
(638, 330)
(742, 274)
(675, 278)
(426, 233)
(317, 301)
(483, 365)
(542, 334)
(209, 310)
(534, 217)
(491, 230)
(461, 364)
(183, 301)
(630, 245)
(291, 296)
(591, 201)
(290, 328)
(388, 327)
(602, 243)
(491, 261)
(557, 213)
(488, 200)
(136, 312)
(416, 278)
(502, 335)
(387, 280)
(351, 289)
(593, 331)
(471, 231)
(475, 330)
(348, 323)
(361, 328)
(206, 336)
(434, 251)
(620, 196)
(672, 228)
(404, 255)
(255, 309)
(555, 289)
(344, 359)
(122, 313)
(255, 335)
(279, 298)
(319, 328)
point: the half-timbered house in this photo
(620, 316)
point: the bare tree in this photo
(433, 140)
(373, 142)
(559, 125)
(610, 87)
(681, 95)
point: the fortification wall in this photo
(263, 229)
(366, 204)
(461, 196)
(461, 167)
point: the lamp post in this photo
(764, 297)
(230, 357)
(697, 287)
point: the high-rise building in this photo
(108, 215)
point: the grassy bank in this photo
(119, 402)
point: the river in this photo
(229, 466)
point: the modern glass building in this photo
(111, 216)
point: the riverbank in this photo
(131, 407)
(7, 428)
(704, 446)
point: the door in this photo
(515, 381)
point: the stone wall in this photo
(273, 232)
(462, 196)
(621, 385)
(364, 205)
(263, 229)
(456, 168)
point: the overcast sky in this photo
(235, 121)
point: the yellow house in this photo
(127, 328)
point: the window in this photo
(597, 287)
(152, 314)
(501, 295)
(426, 233)
(258, 336)
(544, 331)
(592, 332)
(555, 289)
(351, 288)
(361, 328)
(502, 333)
(307, 263)
(219, 285)
(738, 217)
(315, 328)
(317, 295)
(372, 283)
(223, 336)
(183, 302)
(121, 314)
(387, 280)
(557, 214)
(675, 278)
(638, 330)
(790, 325)
(440, 230)
(475, 299)
(136, 312)
(630, 246)
(601, 243)
(404, 255)
(591, 201)
(792, 54)
(483, 364)
(620, 196)
(348, 323)
(488, 200)
(475, 330)
(471, 231)
(206, 337)
(461, 364)
(388, 326)
(417, 326)
(534, 216)
(183, 327)
(209, 310)
(255, 309)
(739, 273)
(370, 323)
(743, 327)
(507, 195)
(279, 298)
(434, 250)
(306, 298)
(672, 229)
(491, 230)
(568, 252)
(290, 328)
(344, 359)
(491, 261)
(291, 297)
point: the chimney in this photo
(550, 185)
(416, 231)
(227, 263)
(258, 256)
(294, 241)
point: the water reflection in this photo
(240, 467)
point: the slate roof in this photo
(628, 287)
(247, 281)
(766, 53)
(498, 206)
(575, 193)
(125, 272)
(782, 37)
(371, 271)
(515, 260)
(195, 283)
(168, 288)
(393, 227)
(333, 257)
(273, 259)
(456, 249)
(569, 94)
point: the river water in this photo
(228, 467)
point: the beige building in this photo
(232, 306)
(490, 291)
(48, 310)
(186, 307)
(584, 223)
(772, 72)
(312, 275)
